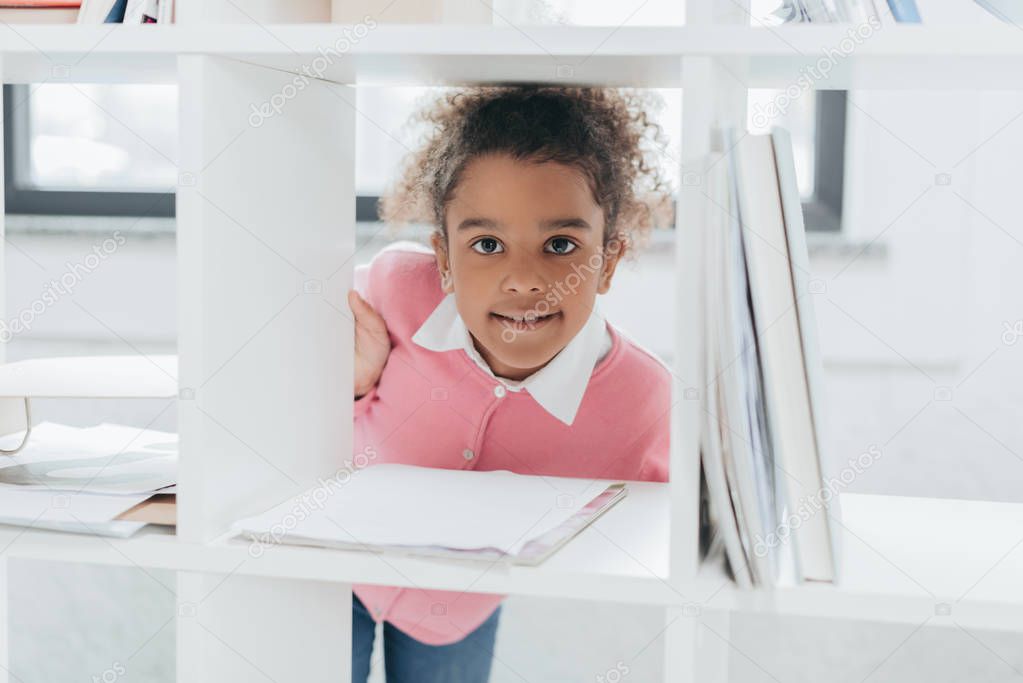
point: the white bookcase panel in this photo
(250, 629)
(266, 225)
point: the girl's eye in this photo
(561, 246)
(487, 245)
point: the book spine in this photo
(116, 13)
(165, 13)
(905, 11)
(133, 11)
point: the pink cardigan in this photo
(433, 408)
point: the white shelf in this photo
(609, 560)
(902, 559)
(91, 377)
(911, 559)
(903, 56)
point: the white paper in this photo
(117, 528)
(391, 504)
(107, 458)
(26, 508)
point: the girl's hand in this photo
(372, 344)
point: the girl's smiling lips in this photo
(525, 321)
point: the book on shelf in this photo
(39, 11)
(884, 12)
(768, 501)
(815, 470)
(727, 436)
(497, 516)
(905, 11)
(140, 12)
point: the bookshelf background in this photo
(715, 58)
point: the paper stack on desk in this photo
(83, 479)
(427, 511)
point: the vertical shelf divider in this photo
(710, 96)
(11, 419)
(5, 624)
(266, 225)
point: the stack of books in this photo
(86, 11)
(886, 12)
(770, 510)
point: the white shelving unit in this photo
(265, 243)
(901, 56)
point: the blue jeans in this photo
(407, 660)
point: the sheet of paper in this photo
(390, 504)
(25, 507)
(107, 458)
(114, 528)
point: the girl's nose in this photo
(524, 278)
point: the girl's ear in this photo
(443, 262)
(613, 251)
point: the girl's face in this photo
(525, 258)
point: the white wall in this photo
(917, 318)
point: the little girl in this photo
(486, 352)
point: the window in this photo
(77, 149)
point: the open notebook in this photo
(466, 514)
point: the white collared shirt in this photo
(558, 386)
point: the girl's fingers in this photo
(364, 313)
(355, 302)
(360, 307)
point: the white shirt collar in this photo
(558, 386)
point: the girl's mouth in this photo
(524, 323)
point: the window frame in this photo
(822, 213)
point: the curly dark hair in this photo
(606, 133)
